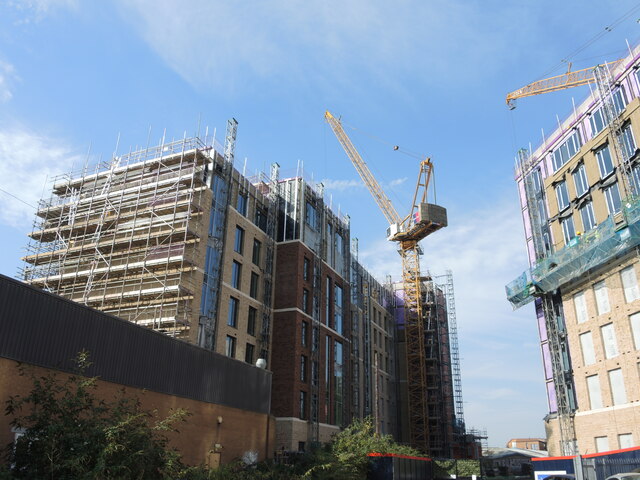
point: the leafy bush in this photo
(69, 433)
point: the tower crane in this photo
(421, 335)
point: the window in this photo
(635, 329)
(630, 284)
(602, 297)
(239, 240)
(339, 244)
(255, 256)
(602, 444)
(232, 317)
(327, 360)
(338, 382)
(625, 440)
(303, 405)
(618, 394)
(301, 446)
(230, 349)
(236, 270)
(253, 287)
(627, 140)
(635, 176)
(597, 121)
(305, 269)
(595, 396)
(303, 368)
(305, 300)
(327, 302)
(588, 355)
(567, 150)
(609, 340)
(310, 216)
(241, 205)
(304, 331)
(261, 218)
(588, 218)
(568, 229)
(251, 321)
(604, 161)
(580, 180)
(580, 303)
(537, 180)
(619, 100)
(248, 353)
(337, 310)
(562, 195)
(612, 196)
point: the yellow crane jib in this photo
(423, 219)
(559, 82)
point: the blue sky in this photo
(428, 76)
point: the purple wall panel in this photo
(551, 396)
(521, 193)
(546, 360)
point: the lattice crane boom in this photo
(369, 180)
(559, 82)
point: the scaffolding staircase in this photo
(272, 212)
(216, 235)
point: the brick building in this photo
(258, 268)
(579, 197)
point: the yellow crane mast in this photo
(422, 220)
(559, 82)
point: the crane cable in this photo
(397, 148)
(590, 42)
(375, 137)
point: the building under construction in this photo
(176, 239)
(579, 193)
(446, 439)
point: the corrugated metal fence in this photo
(46, 330)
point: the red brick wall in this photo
(239, 431)
(287, 326)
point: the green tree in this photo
(69, 433)
(346, 457)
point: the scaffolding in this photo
(272, 213)
(125, 236)
(607, 241)
(319, 249)
(439, 377)
(459, 426)
(219, 176)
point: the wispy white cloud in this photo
(7, 77)
(398, 181)
(500, 357)
(27, 159)
(323, 41)
(483, 247)
(33, 11)
(341, 185)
